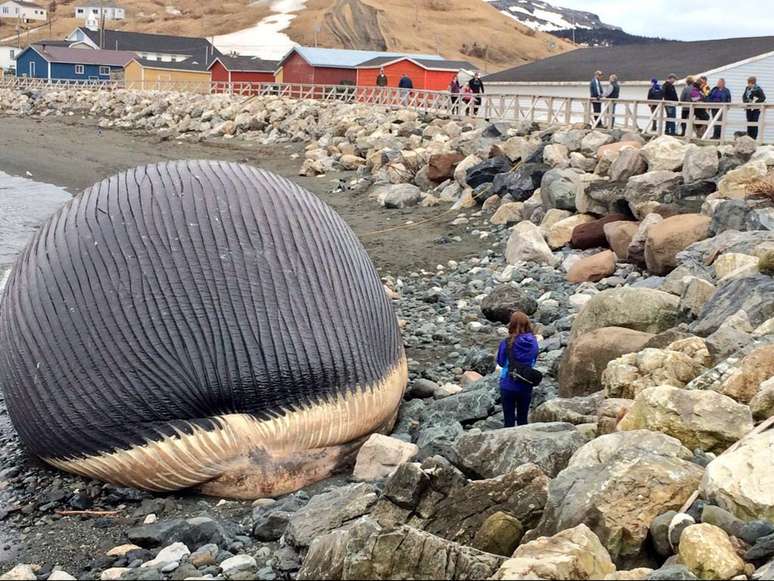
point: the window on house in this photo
(5, 9)
(80, 11)
(78, 69)
(95, 11)
(104, 71)
(13, 53)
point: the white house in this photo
(110, 10)
(8, 57)
(22, 10)
(569, 74)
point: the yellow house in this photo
(189, 75)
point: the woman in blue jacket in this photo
(523, 346)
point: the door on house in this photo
(32, 68)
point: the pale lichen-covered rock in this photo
(602, 449)
(665, 153)
(699, 163)
(575, 553)
(699, 419)
(762, 403)
(508, 213)
(526, 244)
(381, 455)
(755, 368)
(708, 552)
(734, 264)
(559, 233)
(736, 183)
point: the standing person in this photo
(613, 91)
(670, 94)
(595, 93)
(685, 97)
(521, 346)
(655, 93)
(454, 89)
(466, 96)
(381, 82)
(405, 84)
(477, 88)
(753, 94)
(699, 113)
(718, 94)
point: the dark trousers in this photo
(752, 117)
(455, 103)
(684, 113)
(716, 128)
(476, 104)
(597, 108)
(516, 406)
(671, 126)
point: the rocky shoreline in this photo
(647, 268)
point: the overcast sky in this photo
(683, 19)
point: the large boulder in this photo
(460, 172)
(556, 155)
(740, 480)
(592, 141)
(575, 553)
(707, 551)
(645, 191)
(600, 196)
(508, 213)
(505, 300)
(619, 236)
(640, 309)
(485, 171)
(499, 534)
(593, 268)
(636, 251)
(559, 187)
(329, 511)
(441, 166)
(380, 455)
(397, 195)
(602, 449)
(665, 153)
(573, 410)
(737, 182)
(630, 162)
(744, 382)
(526, 244)
(749, 294)
(699, 163)
(619, 495)
(699, 419)
(560, 233)
(667, 238)
(592, 234)
(587, 356)
(369, 551)
(570, 138)
(520, 183)
(492, 453)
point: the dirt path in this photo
(74, 154)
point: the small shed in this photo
(242, 69)
(63, 63)
(329, 66)
(148, 74)
(425, 74)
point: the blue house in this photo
(40, 61)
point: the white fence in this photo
(707, 121)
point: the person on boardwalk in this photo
(613, 91)
(477, 88)
(596, 93)
(655, 93)
(454, 89)
(405, 85)
(521, 347)
(670, 94)
(381, 79)
(685, 97)
(718, 94)
(467, 95)
(753, 94)
(699, 113)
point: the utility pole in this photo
(101, 23)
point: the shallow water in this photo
(24, 205)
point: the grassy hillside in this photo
(457, 29)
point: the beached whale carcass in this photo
(198, 324)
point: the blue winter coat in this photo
(525, 351)
(718, 95)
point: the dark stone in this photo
(659, 533)
(729, 162)
(672, 573)
(482, 192)
(520, 183)
(754, 530)
(762, 550)
(466, 406)
(505, 300)
(719, 517)
(592, 234)
(406, 485)
(421, 388)
(751, 294)
(690, 197)
(485, 172)
(496, 130)
(271, 526)
(607, 196)
(479, 360)
(729, 215)
(194, 532)
(80, 501)
(438, 436)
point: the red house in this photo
(329, 66)
(426, 74)
(242, 69)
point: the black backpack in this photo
(520, 372)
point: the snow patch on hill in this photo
(545, 17)
(265, 39)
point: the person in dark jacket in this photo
(381, 79)
(718, 94)
(670, 94)
(685, 97)
(753, 94)
(613, 91)
(454, 89)
(655, 93)
(405, 85)
(700, 114)
(596, 93)
(523, 348)
(477, 88)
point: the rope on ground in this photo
(754, 432)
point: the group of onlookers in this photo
(469, 93)
(696, 90)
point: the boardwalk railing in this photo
(708, 121)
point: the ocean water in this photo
(24, 205)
